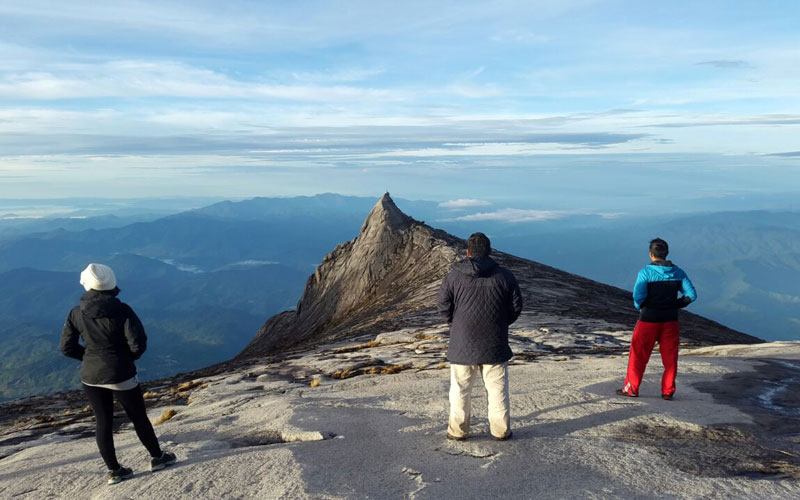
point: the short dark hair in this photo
(479, 245)
(659, 248)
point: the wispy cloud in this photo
(785, 298)
(723, 120)
(464, 203)
(513, 215)
(338, 75)
(726, 64)
(134, 78)
(520, 36)
(787, 154)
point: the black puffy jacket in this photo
(479, 299)
(113, 338)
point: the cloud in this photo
(514, 215)
(725, 64)
(520, 36)
(338, 75)
(140, 78)
(473, 91)
(787, 154)
(279, 129)
(464, 203)
(721, 120)
(785, 298)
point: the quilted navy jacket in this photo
(112, 335)
(479, 299)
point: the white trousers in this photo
(495, 381)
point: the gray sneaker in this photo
(165, 459)
(116, 476)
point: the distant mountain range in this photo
(204, 280)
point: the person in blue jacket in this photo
(661, 289)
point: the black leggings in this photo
(102, 401)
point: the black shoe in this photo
(455, 438)
(620, 392)
(666, 397)
(165, 459)
(116, 476)
(504, 438)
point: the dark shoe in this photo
(116, 476)
(620, 392)
(455, 438)
(504, 438)
(165, 459)
(666, 397)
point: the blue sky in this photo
(598, 105)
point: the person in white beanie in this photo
(113, 338)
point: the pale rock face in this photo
(388, 276)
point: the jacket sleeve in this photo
(444, 299)
(70, 335)
(640, 289)
(688, 291)
(516, 300)
(134, 334)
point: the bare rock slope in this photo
(387, 278)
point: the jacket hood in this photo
(476, 266)
(96, 304)
(664, 267)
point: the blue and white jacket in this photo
(656, 291)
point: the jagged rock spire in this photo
(385, 214)
(392, 257)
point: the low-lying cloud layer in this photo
(464, 203)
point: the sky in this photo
(542, 104)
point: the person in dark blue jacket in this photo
(479, 299)
(661, 289)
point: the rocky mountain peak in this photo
(388, 276)
(385, 215)
(384, 272)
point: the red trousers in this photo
(645, 336)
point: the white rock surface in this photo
(382, 437)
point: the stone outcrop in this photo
(387, 278)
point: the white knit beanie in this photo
(98, 277)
